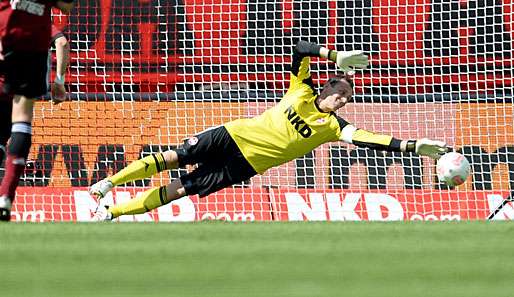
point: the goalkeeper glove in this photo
(348, 61)
(430, 148)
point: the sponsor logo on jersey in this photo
(298, 123)
(192, 140)
(28, 6)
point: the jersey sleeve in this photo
(56, 33)
(363, 138)
(300, 66)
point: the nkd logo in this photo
(297, 122)
(344, 207)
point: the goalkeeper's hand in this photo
(430, 148)
(348, 61)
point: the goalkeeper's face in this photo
(336, 93)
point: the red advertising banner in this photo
(258, 204)
(75, 204)
(386, 205)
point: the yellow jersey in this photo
(295, 126)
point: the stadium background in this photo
(146, 74)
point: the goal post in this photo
(146, 74)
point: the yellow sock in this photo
(140, 169)
(149, 200)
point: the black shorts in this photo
(25, 73)
(220, 162)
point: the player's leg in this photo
(202, 179)
(208, 178)
(148, 200)
(25, 76)
(139, 169)
(215, 173)
(19, 145)
(195, 149)
(159, 196)
(17, 151)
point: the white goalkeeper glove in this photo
(348, 61)
(430, 148)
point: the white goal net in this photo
(146, 74)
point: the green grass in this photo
(258, 259)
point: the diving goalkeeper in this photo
(236, 151)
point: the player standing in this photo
(25, 36)
(238, 150)
(58, 91)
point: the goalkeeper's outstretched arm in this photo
(363, 138)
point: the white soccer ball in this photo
(453, 169)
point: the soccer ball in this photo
(453, 169)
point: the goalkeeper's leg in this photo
(150, 199)
(140, 169)
(206, 179)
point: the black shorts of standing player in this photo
(220, 162)
(25, 73)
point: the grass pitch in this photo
(257, 259)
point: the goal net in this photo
(144, 75)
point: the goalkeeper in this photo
(238, 150)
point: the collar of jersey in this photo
(317, 106)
